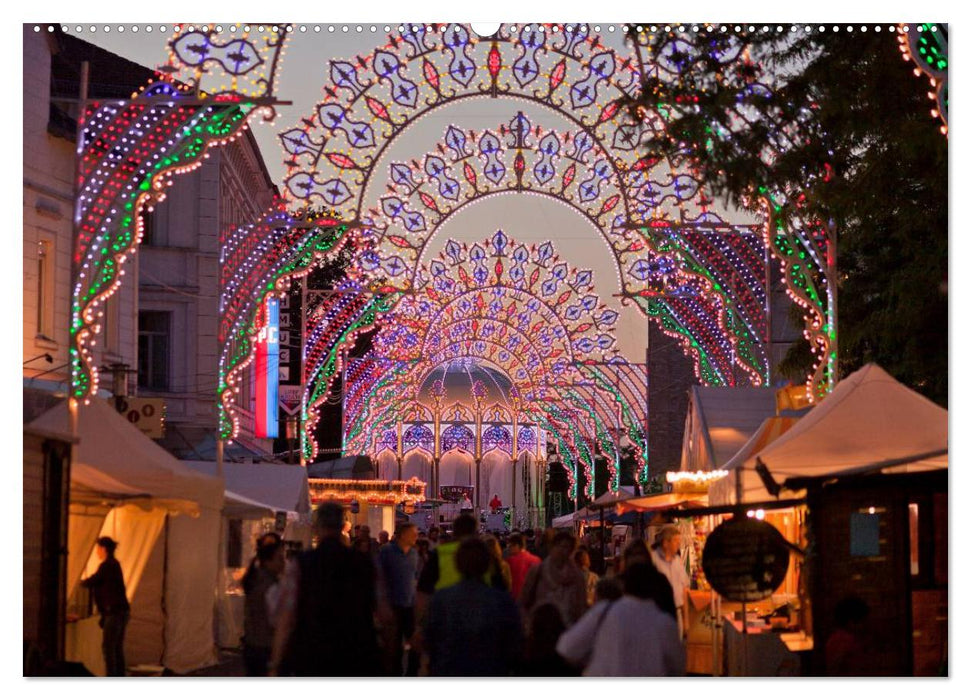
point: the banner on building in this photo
(268, 372)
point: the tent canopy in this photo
(869, 417)
(241, 508)
(608, 499)
(169, 566)
(114, 458)
(661, 502)
(720, 420)
(277, 486)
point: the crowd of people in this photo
(461, 603)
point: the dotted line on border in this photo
(373, 28)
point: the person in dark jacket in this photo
(108, 586)
(325, 624)
(262, 575)
(473, 629)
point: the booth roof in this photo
(114, 458)
(350, 467)
(277, 486)
(868, 418)
(725, 419)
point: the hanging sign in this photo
(148, 415)
(268, 372)
(745, 560)
(290, 397)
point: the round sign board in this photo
(745, 560)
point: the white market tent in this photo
(868, 418)
(719, 422)
(279, 486)
(125, 486)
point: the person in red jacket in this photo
(520, 562)
(495, 504)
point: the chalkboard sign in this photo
(745, 560)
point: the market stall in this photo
(868, 418)
(166, 518)
(376, 499)
(869, 423)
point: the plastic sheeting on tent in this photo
(868, 418)
(115, 460)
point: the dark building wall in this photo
(670, 373)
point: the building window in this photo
(154, 330)
(45, 289)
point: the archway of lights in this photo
(695, 275)
(528, 315)
(703, 281)
(130, 150)
(640, 202)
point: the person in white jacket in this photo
(632, 636)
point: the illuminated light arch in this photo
(801, 246)
(130, 150)
(257, 261)
(371, 101)
(352, 311)
(470, 303)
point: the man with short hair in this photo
(326, 610)
(666, 556)
(440, 570)
(398, 562)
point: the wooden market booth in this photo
(870, 424)
(376, 498)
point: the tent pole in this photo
(219, 457)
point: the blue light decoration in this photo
(268, 372)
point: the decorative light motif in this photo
(335, 325)
(255, 261)
(926, 45)
(694, 481)
(521, 310)
(128, 153)
(669, 58)
(597, 169)
(374, 491)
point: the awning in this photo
(608, 499)
(662, 502)
(868, 418)
(113, 458)
(239, 507)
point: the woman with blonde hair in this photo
(500, 575)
